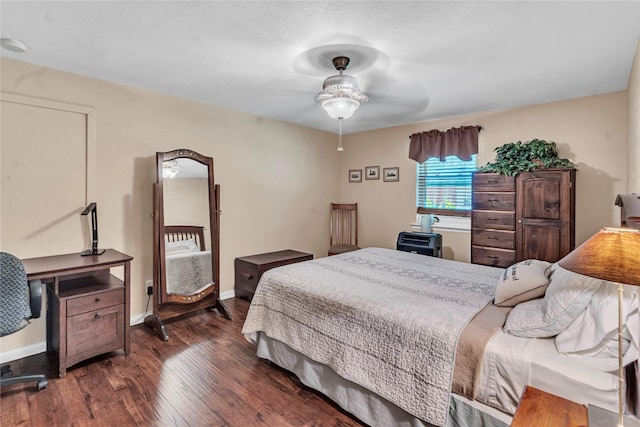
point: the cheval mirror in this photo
(186, 238)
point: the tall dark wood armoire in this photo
(529, 216)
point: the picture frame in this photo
(355, 175)
(372, 172)
(391, 174)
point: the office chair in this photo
(19, 302)
(343, 228)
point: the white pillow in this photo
(566, 297)
(593, 336)
(522, 282)
(180, 247)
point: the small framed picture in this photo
(372, 172)
(391, 174)
(355, 175)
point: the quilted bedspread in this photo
(384, 319)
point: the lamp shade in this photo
(340, 108)
(612, 254)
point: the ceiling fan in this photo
(341, 95)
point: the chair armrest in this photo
(35, 294)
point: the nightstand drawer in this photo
(95, 301)
(249, 269)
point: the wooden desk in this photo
(88, 308)
(541, 409)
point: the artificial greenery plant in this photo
(515, 157)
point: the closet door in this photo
(545, 214)
(44, 158)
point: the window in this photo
(445, 187)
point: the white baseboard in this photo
(21, 352)
(41, 347)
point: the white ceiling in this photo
(416, 60)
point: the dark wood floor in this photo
(207, 374)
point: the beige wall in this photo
(277, 179)
(591, 131)
(633, 162)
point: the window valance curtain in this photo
(461, 142)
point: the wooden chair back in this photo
(344, 224)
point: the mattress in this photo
(510, 363)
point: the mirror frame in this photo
(165, 305)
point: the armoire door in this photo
(545, 214)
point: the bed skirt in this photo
(367, 406)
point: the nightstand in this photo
(249, 269)
(541, 409)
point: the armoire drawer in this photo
(493, 182)
(493, 238)
(497, 220)
(493, 257)
(494, 201)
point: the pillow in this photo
(522, 282)
(180, 247)
(593, 336)
(566, 298)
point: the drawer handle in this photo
(493, 181)
(97, 299)
(488, 256)
(247, 276)
(493, 219)
(97, 316)
(492, 238)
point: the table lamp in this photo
(93, 210)
(612, 254)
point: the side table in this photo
(541, 409)
(249, 269)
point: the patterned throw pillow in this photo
(522, 282)
(567, 296)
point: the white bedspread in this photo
(384, 319)
(188, 273)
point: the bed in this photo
(403, 339)
(188, 264)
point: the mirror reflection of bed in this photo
(188, 263)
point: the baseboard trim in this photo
(41, 347)
(21, 352)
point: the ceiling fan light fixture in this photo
(340, 108)
(341, 96)
(170, 169)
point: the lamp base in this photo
(599, 417)
(89, 252)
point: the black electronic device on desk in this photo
(420, 243)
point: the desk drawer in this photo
(95, 332)
(95, 301)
